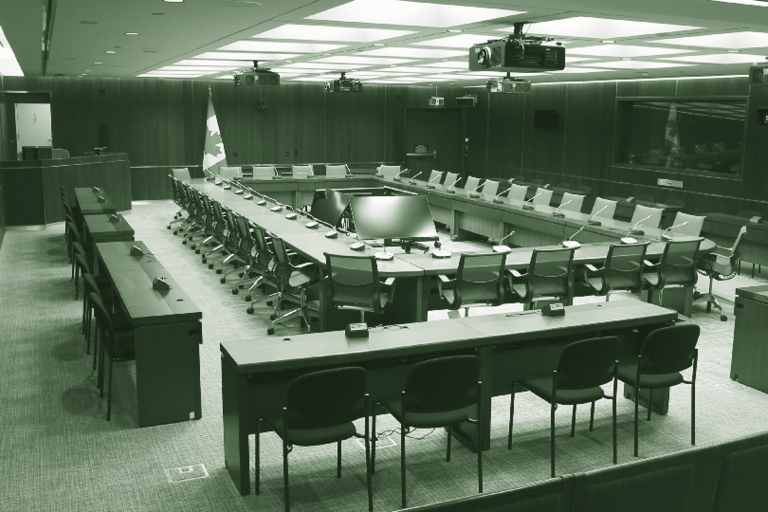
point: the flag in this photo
(670, 135)
(214, 155)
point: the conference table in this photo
(466, 217)
(167, 332)
(93, 200)
(255, 372)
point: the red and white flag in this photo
(214, 155)
(670, 136)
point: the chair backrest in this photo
(517, 179)
(434, 176)
(263, 254)
(516, 193)
(389, 171)
(302, 171)
(266, 172)
(354, 281)
(90, 285)
(442, 384)
(181, 174)
(544, 198)
(669, 349)
(74, 232)
(103, 318)
(646, 197)
(326, 398)
(537, 181)
(230, 172)
(490, 187)
(480, 278)
(450, 178)
(623, 268)
(548, 273)
(737, 243)
(750, 214)
(563, 184)
(576, 201)
(678, 263)
(600, 203)
(587, 363)
(471, 183)
(693, 228)
(282, 268)
(584, 189)
(336, 171)
(641, 212)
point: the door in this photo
(434, 140)
(33, 125)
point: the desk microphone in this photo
(378, 171)
(396, 177)
(527, 205)
(571, 243)
(592, 221)
(634, 230)
(503, 248)
(292, 215)
(497, 200)
(664, 235)
(246, 191)
(450, 188)
(429, 183)
(384, 256)
(440, 252)
(474, 193)
(312, 224)
(349, 171)
(557, 213)
(413, 178)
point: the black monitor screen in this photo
(388, 217)
(330, 207)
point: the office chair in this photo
(479, 281)
(179, 201)
(582, 368)
(293, 283)
(608, 212)
(441, 392)
(576, 201)
(677, 267)
(622, 271)
(545, 196)
(195, 229)
(584, 189)
(302, 171)
(693, 228)
(645, 198)
(641, 212)
(321, 408)
(563, 184)
(243, 251)
(354, 284)
(336, 171)
(81, 268)
(450, 178)
(230, 173)
(181, 174)
(218, 234)
(720, 265)
(516, 194)
(90, 285)
(471, 183)
(433, 176)
(665, 353)
(490, 188)
(388, 171)
(117, 344)
(548, 277)
(537, 182)
(73, 236)
(266, 172)
(262, 265)
(235, 235)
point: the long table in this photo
(255, 373)
(92, 201)
(167, 333)
(105, 228)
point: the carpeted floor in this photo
(59, 454)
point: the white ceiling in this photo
(84, 30)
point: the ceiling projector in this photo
(344, 84)
(256, 76)
(517, 53)
(508, 85)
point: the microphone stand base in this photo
(441, 253)
(396, 178)
(451, 191)
(527, 207)
(261, 203)
(501, 248)
(594, 223)
(384, 256)
(637, 232)
(628, 240)
(247, 196)
(431, 186)
(498, 201)
(474, 196)
(558, 215)
(570, 244)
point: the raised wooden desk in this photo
(255, 373)
(167, 333)
(749, 360)
(88, 201)
(103, 228)
(723, 229)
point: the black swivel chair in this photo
(441, 392)
(677, 267)
(548, 277)
(720, 265)
(320, 409)
(354, 284)
(583, 367)
(622, 272)
(479, 281)
(294, 284)
(665, 353)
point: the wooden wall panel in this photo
(641, 89)
(310, 137)
(755, 177)
(506, 122)
(719, 87)
(476, 130)
(355, 125)
(543, 149)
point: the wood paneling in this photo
(543, 149)
(642, 89)
(755, 181)
(589, 131)
(506, 122)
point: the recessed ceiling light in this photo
(607, 41)
(87, 70)
(269, 46)
(96, 63)
(733, 40)
(621, 50)
(328, 33)
(173, 1)
(245, 56)
(216, 63)
(131, 33)
(626, 58)
(600, 28)
(448, 64)
(110, 51)
(398, 12)
(379, 44)
(636, 64)
(312, 65)
(415, 53)
(462, 41)
(571, 60)
(351, 59)
(579, 70)
(196, 68)
(723, 58)
(755, 3)
(455, 30)
(734, 51)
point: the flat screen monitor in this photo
(393, 217)
(329, 207)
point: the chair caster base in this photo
(210, 265)
(197, 251)
(204, 260)
(272, 316)
(723, 318)
(168, 226)
(271, 330)
(175, 232)
(218, 271)
(269, 303)
(249, 311)
(247, 298)
(234, 291)
(223, 280)
(184, 242)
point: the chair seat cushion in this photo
(628, 374)
(652, 278)
(542, 387)
(310, 437)
(431, 419)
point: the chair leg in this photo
(109, 390)
(573, 422)
(373, 440)
(592, 417)
(257, 456)
(511, 416)
(285, 476)
(693, 412)
(552, 437)
(368, 457)
(637, 403)
(479, 438)
(650, 403)
(338, 459)
(448, 444)
(615, 390)
(402, 463)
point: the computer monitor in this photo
(404, 218)
(328, 207)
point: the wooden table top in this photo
(100, 226)
(88, 200)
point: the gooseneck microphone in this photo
(396, 177)
(571, 243)
(429, 183)
(557, 213)
(497, 200)
(636, 228)
(474, 193)
(664, 235)
(440, 251)
(527, 204)
(592, 221)
(503, 248)
(413, 178)
(450, 188)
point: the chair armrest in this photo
(515, 273)
(592, 268)
(648, 263)
(445, 279)
(303, 265)
(390, 281)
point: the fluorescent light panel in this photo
(732, 40)
(636, 64)
(351, 59)
(216, 63)
(621, 50)
(755, 3)
(575, 70)
(313, 65)
(461, 41)
(245, 56)
(414, 69)
(413, 53)
(398, 12)
(9, 66)
(722, 58)
(452, 65)
(268, 46)
(196, 68)
(165, 75)
(327, 33)
(599, 28)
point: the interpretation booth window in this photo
(699, 135)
